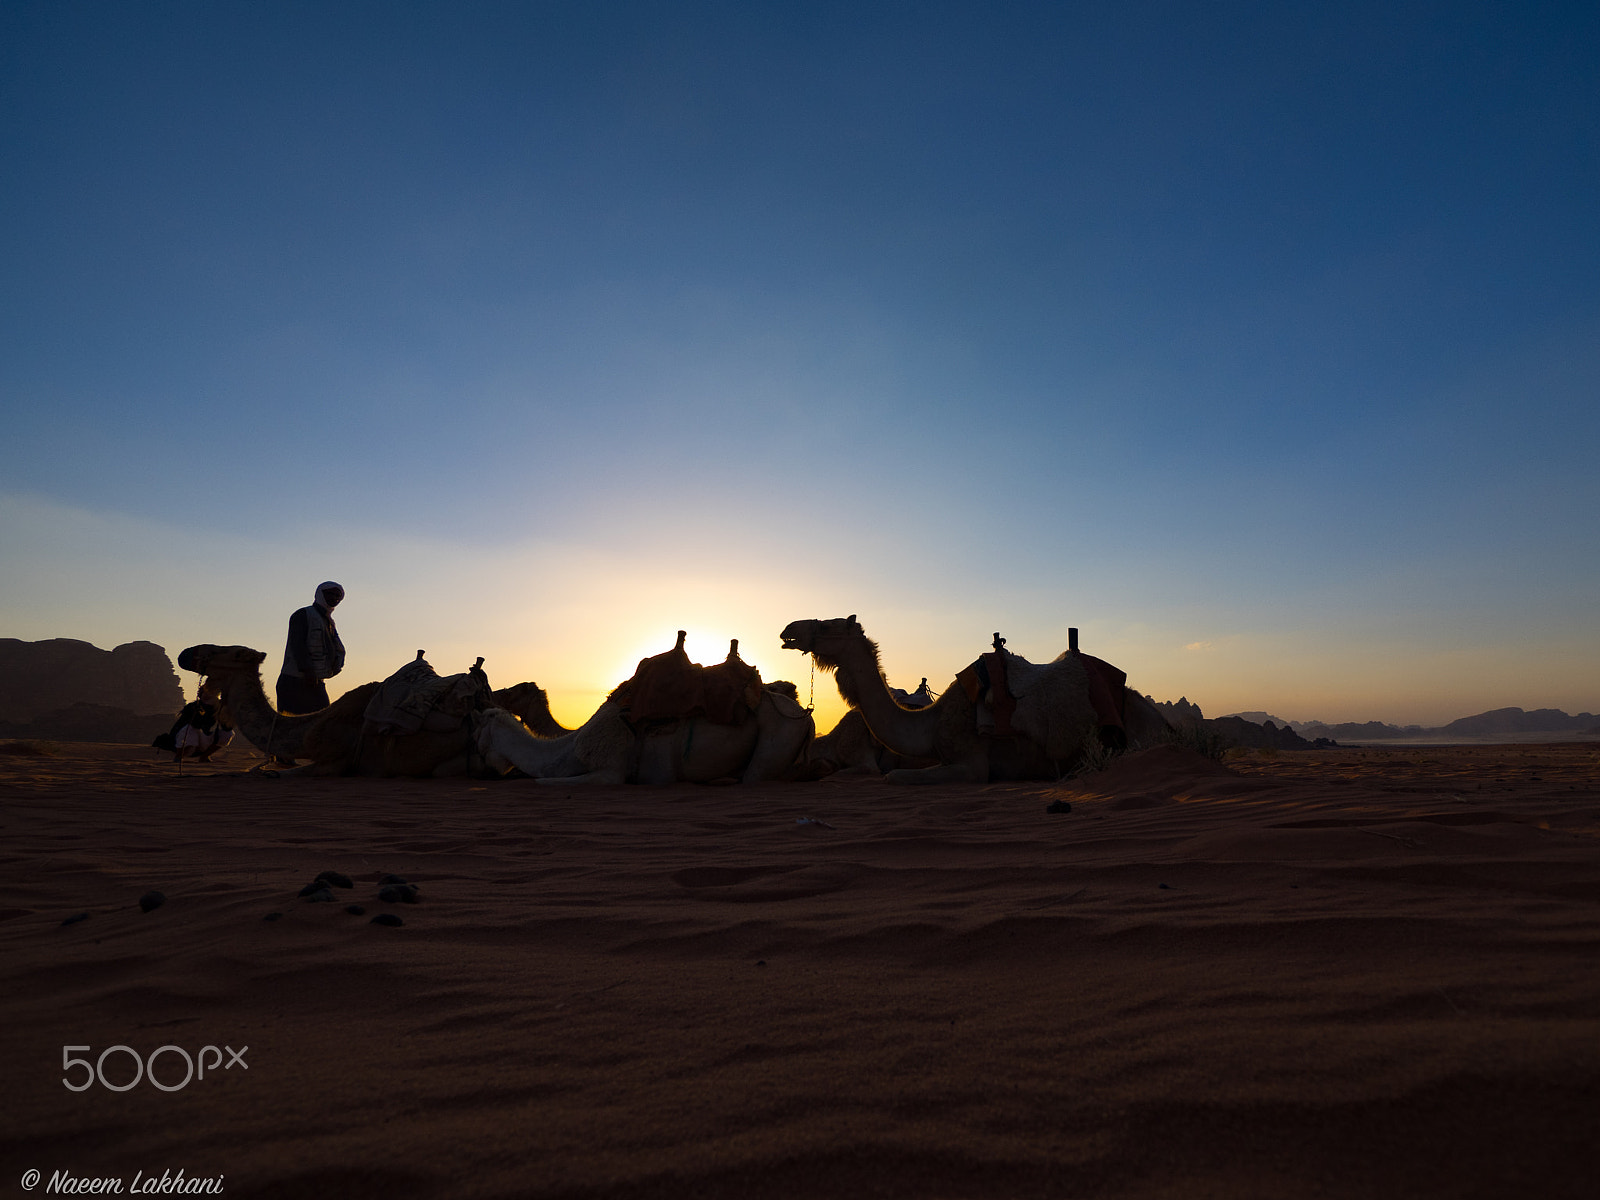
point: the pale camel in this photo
(333, 740)
(947, 731)
(607, 749)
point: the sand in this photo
(1344, 973)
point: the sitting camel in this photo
(850, 746)
(1055, 720)
(530, 703)
(673, 721)
(334, 740)
(607, 749)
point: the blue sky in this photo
(1262, 342)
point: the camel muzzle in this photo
(799, 635)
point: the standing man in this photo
(314, 653)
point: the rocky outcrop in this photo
(1180, 715)
(50, 677)
(1236, 731)
(1187, 718)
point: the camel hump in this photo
(668, 687)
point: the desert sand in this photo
(1343, 973)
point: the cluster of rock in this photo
(62, 689)
(1267, 734)
(393, 889)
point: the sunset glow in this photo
(1261, 351)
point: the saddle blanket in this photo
(416, 697)
(668, 687)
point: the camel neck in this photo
(256, 718)
(908, 731)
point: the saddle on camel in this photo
(996, 681)
(416, 698)
(667, 687)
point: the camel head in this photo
(221, 660)
(485, 725)
(523, 699)
(828, 642)
(816, 637)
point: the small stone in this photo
(151, 900)
(320, 896)
(1058, 806)
(387, 919)
(1167, 886)
(335, 879)
(316, 885)
(75, 918)
(391, 879)
(404, 893)
(761, 962)
(355, 910)
(272, 916)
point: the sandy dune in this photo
(1349, 973)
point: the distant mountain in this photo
(1261, 718)
(1514, 720)
(1260, 729)
(1499, 722)
(1357, 730)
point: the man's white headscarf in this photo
(323, 589)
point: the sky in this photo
(1260, 342)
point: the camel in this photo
(608, 749)
(333, 740)
(850, 746)
(529, 703)
(1054, 716)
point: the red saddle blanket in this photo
(1108, 690)
(668, 687)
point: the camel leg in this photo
(452, 768)
(772, 758)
